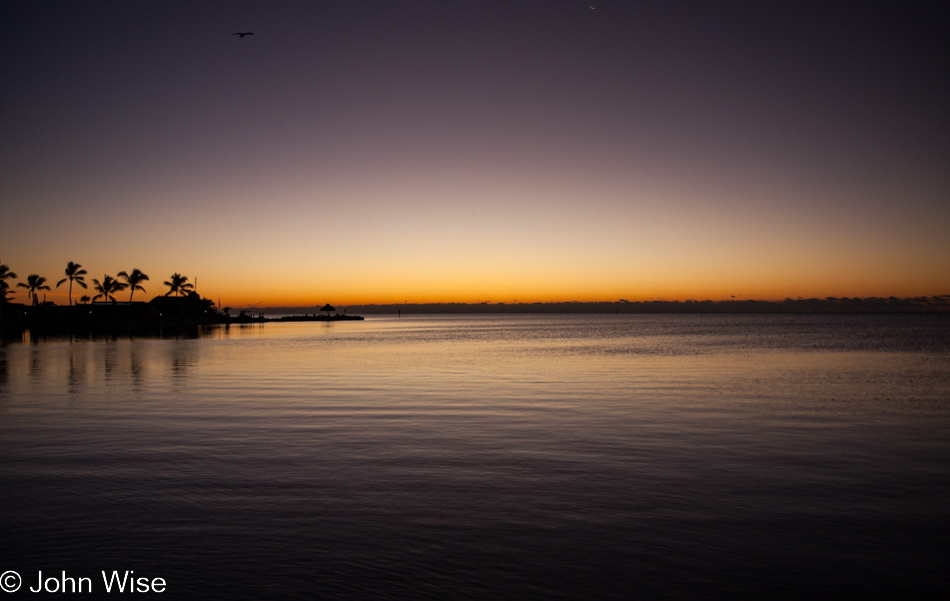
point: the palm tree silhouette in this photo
(107, 288)
(84, 299)
(178, 285)
(132, 280)
(74, 273)
(33, 284)
(5, 274)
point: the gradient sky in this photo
(362, 151)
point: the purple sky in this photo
(385, 151)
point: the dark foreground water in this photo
(521, 457)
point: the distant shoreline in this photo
(932, 304)
(178, 314)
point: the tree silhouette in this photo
(5, 274)
(132, 280)
(33, 284)
(178, 285)
(74, 273)
(84, 299)
(107, 288)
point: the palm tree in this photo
(178, 285)
(132, 280)
(74, 273)
(5, 274)
(84, 298)
(107, 288)
(33, 284)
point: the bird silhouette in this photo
(242, 34)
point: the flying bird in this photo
(242, 34)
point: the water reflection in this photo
(182, 357)
(234, 331)
(109, 360)
(136, 367)
(3, 374)
(492, 438)
(77, 370)
(37, 355)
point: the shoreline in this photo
(932, 304)
(164, 314)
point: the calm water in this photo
(517, 457)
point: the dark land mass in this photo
(335, 317)
(921, 304)
(171, 315)
(159, 316)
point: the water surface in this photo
(477, 457)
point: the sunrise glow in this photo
(379, 152)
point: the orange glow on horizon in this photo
(358, 277)
(551, 175)
(235, 297)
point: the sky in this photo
(362, 151)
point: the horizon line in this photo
(261, 305)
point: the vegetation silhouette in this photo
(180, 309)
(5, 274)
(74, 273)
(107, 288)
(178, 285)
(133, 281)
(34, 283)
